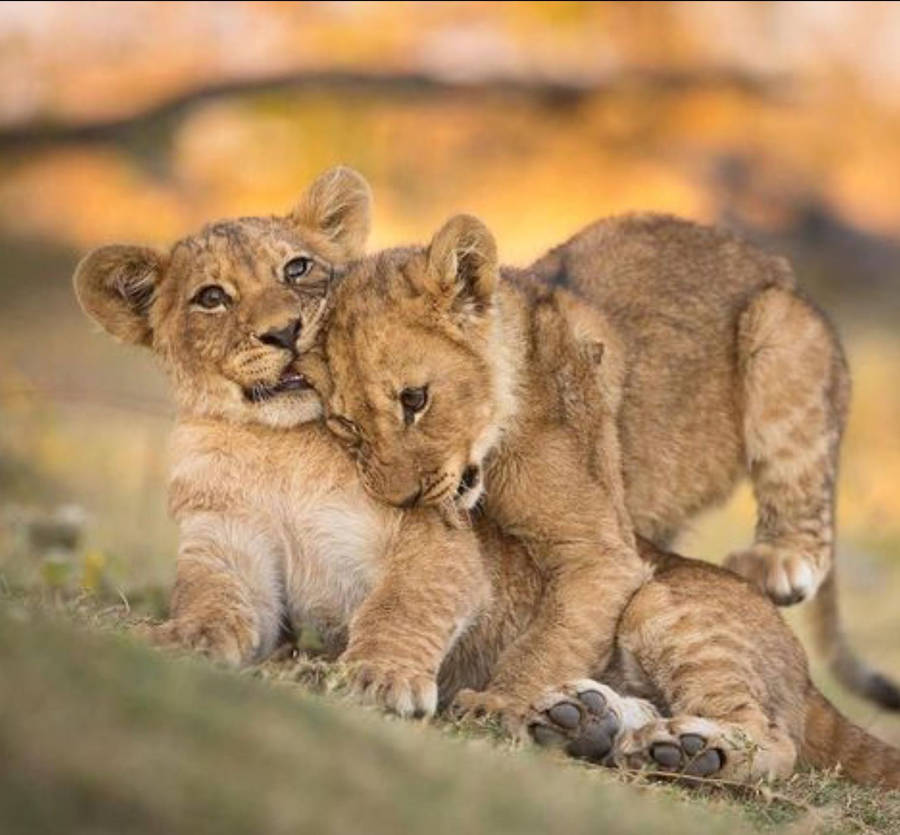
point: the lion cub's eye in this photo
(413, 400)
(296, 268)
(211, 297)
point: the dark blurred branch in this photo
(34, 134)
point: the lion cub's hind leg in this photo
(727, 671)
(795, 390)
(587, 720)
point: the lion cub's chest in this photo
(298, 491)
(335, 543)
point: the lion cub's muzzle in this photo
(282, 337)
(465, 492)
(289, 380)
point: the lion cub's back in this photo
(674, 291)
(663, 263)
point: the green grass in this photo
(99, 733)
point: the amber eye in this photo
(413, 401)
(211, 297)
(296, 268)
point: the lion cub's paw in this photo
(784, 575)
(586, 719)
(385, 684)
(225, 637)
(683, 745)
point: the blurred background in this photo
(138, 122)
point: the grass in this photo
(99, 733)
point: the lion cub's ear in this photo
(462, 264)
(115, 286)
(338, 207)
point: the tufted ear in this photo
(115, 287)
(462, 264)
(338, 207)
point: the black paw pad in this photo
(595, 702)
(692, 744)
(709, 762)
(666, 755)
(566, 715)
(594, 742)
(547, 737)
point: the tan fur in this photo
(720, 660)
(551, 462)
(277, 530)
(730, 371)
(265, 505)
(713, 365)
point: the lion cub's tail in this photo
(847, 667)
(830, 739)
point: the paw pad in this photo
(689, 755)
(566, 715)
(584, 726)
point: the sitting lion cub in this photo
(274, 526)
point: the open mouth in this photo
(289, 380)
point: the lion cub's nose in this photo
(281, 337)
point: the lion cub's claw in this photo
(579, 719)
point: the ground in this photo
(99, 732)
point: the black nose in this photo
(282, 337)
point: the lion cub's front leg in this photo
(432, 585)
(225, 603)
(573, 525)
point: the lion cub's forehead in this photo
(379, 288)
(256, 247)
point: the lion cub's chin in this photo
(287, 410)
(283, 411)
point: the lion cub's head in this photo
(421, 385)
(228, 310)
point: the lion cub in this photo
(274, 527)
(449, 387)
